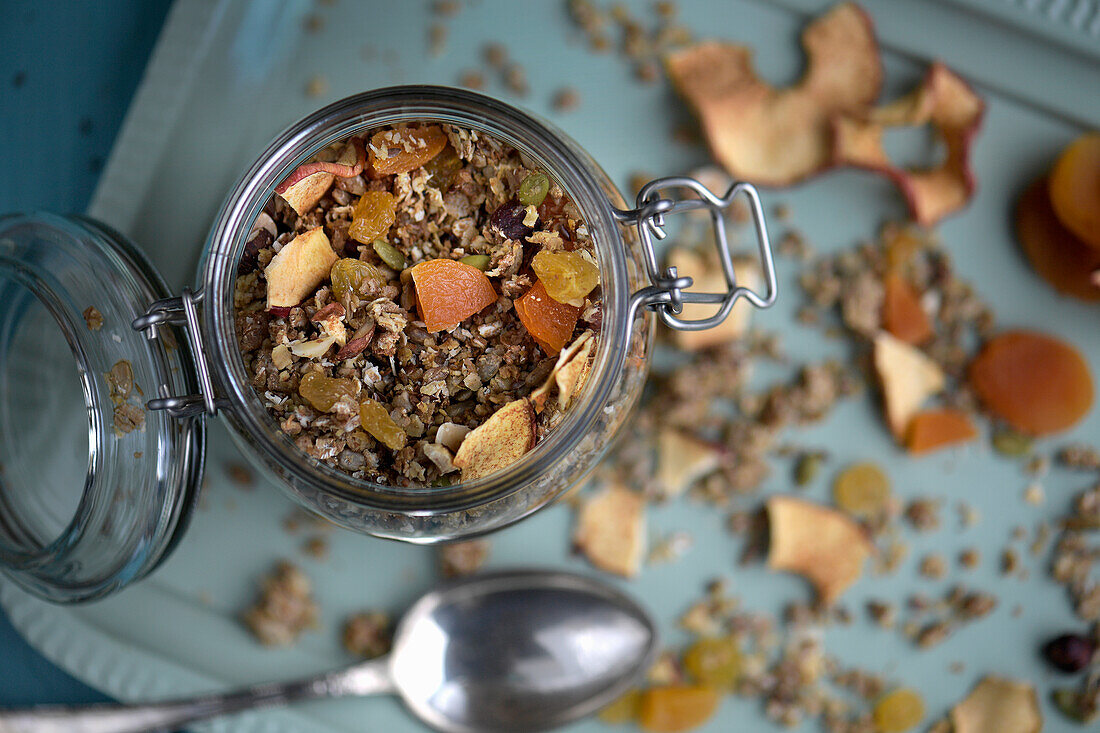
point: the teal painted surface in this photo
(178, 632)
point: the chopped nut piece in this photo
(933, 566)
(611, 530)
(368, 634)
(93, 318)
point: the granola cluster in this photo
(335, 309)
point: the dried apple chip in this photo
(931, 430)
(682, 460)
(823, 545)
(707, 277)
(303, 188)
(498, 442)
(1034, 382)
(611, 530)
(779, 136)
(298, 268)
(1055, 253)
(997, 705)
(908, 378)
(953, 109)
(569, 369)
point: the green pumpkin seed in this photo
(481, 262)
(389, 254)
(533, 189)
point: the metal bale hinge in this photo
(668, 291)
(181, 311)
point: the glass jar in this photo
(139, 484)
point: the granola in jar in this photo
(402, 289)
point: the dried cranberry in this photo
(1070, 652)
(260, 240)
(508, 220)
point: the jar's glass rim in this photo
(539, 140)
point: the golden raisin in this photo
(443, 168)
(375, 420)
(567, 276)
(676, 708)
(622, 710)
(349, 274)
(373, 216)
(400, 151)
(714, 662)
(862, 490)
(323, 392)
(898, 712)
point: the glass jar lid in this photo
(95, 489)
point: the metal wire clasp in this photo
(669, 292)
(181, 311)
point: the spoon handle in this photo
(364, 679)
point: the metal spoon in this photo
(518, 650)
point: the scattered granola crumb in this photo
(782, 212)
(495, 55)
(515, 79)
(368, 634)
(882, 613)
(1034, 494)
(1010, 561)
(793, 245)
(437, 39)
(968, 515)
(93, 318)
(1078, 457)
(923, 514)
(128, 418)
(240, 474)
(313, 23)
(956, 667)
(284, 609)
(472, 80)
(933, 566)
(566, 99)
(970, 558)
(463, 558)
(316, 547)
(932, 634)
(316, 86)
(670, 548)
(1037, 466)
(446, 8)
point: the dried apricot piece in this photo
(623, 710)
(323, 392)
(400, 151)
(714, 662)
(372, 216)
(1055, 253)
(375, 420)
(862, 490)
(934, 429)
(1036, 383)
(1075, 188)
(898, 711)
(549, 322)
(677, 708)
(567, 276)
(902, 314)
(349, 274)
(448, 292)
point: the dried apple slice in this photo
(908, 378)
(498, 442)
(931, 430)
(779, 136)
(997, 705)
(1034, 382)
(611, 530)
(299, 267)
(823, 545)
(681, 461)
(571, 366)
(943, 100)
(1054, 252)
(707, 276)
(1075, 188)
(303, 188)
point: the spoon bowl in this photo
(518, 650)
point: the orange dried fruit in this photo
(400, 151)
(372, 216)
(1055, 253)
(677, 708)
(323, 392)
(902, 314)
(448, 292)
(1036, 383)
(1075, 188)
(934, 429)
(779, 136)
(567, 276)
(375, 420)
(549, 322)
(899, 711)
